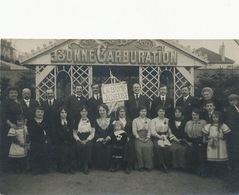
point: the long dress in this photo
(84, 130)
(65, 145)
(10, 110)
(195, 153)
(39, 147)
(144, 151)
(162, 153)
(102, 151)
(216, 149)
(177, 149)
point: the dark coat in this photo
(188, 105)
(158, 102)
(178, 132)
(74, 105)
(64, 133)
(132, 107)
(128, 127)
(50, 112)
(93, 107)
(100, 133)
(36, 131)
(29, 112)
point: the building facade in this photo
(149, 62)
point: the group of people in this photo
(196, 134)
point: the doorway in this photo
(129, 74)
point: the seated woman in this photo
(103, 131)
(143, 143)
(161, 134)
(130, 155)
(65, 142)
(84, 133)
(177, 125)
(195, 154)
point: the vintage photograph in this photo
(119, 116)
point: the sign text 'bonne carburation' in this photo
(96, 56)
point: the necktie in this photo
(163, 99)
(137, 100)
(137, 97)
(27, 103)
(184, 99)
(50, 103)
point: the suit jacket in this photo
(29, 112)
(92, 105)
(232, 119)
(158, 102)
(188, 105)
(74, 105)
(132, 106)
(51, 111)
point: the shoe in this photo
(148, 170)
(116, 168)
(141, 169)
(127, 170)
(86, 169)
(164, 169)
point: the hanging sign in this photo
(114, 92)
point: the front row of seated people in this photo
(111, 143)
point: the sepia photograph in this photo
(153, 112)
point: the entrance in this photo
(129, 74)
(63, 83)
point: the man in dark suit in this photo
(74, 102)
(232, 120)
(135, 101)
(162, 100)
(28, 104)
(187, 102)
(50, 106)
(94, 101)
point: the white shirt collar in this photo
(186, 97)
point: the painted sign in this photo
(114, 92)
(109, 53)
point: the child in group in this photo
(19, 146)
(38, 129)
(216, 134)
(118, 142)
(210, 108)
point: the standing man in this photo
(94, 101)
(51, 107)
(135, 101)
(74, 102)
(28, 104)
(187, 102)
(162, 100)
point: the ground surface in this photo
(100, 182)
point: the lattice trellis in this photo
(47, 83)
(179, 80)
(77, 73)
(149, 77)
(82, 75)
